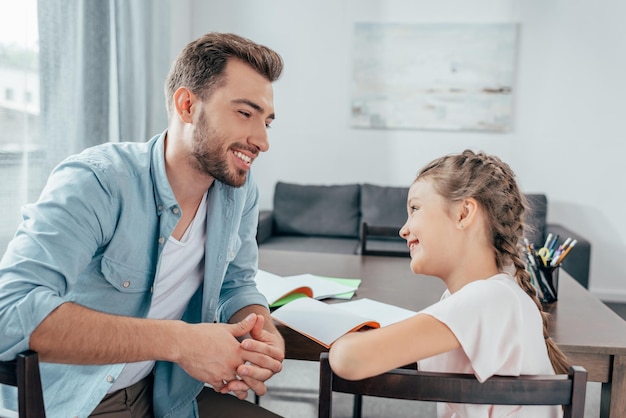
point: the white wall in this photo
(569, 135)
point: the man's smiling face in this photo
(231, 129)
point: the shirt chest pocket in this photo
(124, 278)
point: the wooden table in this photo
(590, 333)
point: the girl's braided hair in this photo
(492, 183)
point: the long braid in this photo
(492, 183)
(557, 357)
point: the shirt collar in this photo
(162, 190)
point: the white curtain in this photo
(102, 64)
(74, 63)
(143, 60)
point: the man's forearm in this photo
(74, 334)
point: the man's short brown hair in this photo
(200, 65)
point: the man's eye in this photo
(268, 126)
(244, 113)
(413, 209)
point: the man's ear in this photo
(184, 103)
(467, 212)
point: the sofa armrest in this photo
(266, 226)
(578, 260)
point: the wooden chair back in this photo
(371, 233)
(567, 390)
(23, 373)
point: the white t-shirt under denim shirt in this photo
(180, 274)
(501, 333)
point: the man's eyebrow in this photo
(253, 105)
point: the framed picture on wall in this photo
(456, 76)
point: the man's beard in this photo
(210, 158)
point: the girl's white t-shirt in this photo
(501, 333)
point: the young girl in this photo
(465, 226)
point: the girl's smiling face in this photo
(430, 230)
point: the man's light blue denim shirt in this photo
(95, 238)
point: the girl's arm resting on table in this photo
(358, 355)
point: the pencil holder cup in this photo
(545, 279)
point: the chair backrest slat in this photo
(7, 373)
(568, 390)
(23, 372)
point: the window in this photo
(94, 74)
(20, 148)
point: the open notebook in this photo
(280, 290)
(324, 322)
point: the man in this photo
(124, 273)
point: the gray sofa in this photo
(366, 218)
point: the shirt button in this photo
(176, 210)
(126, 283)
(161, 240)
(160, 207)
(110, 379)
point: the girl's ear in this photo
(467, 210)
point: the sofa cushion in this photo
(316, 210)
(536, 218)
(383, 206)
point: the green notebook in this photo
(347, 295)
